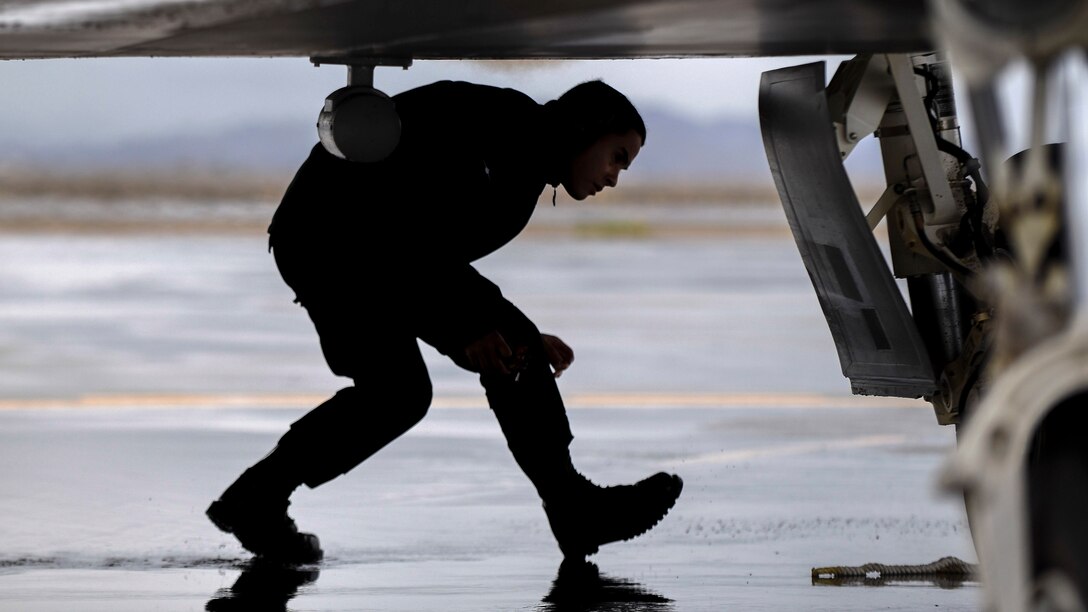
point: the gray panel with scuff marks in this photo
(879, 346)
(467, 29)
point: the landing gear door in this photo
(879, 346)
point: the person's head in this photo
(601, 134)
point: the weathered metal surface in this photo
(879, 346)
(425, 29)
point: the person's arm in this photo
(457, 300)
(559, 354)
(492, 354)
(473, 153)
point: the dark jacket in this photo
(463, 181)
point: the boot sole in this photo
(309, 552)
(217, 516)
(676, 488)
(581, 552)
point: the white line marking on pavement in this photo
(649, 400)
(789, 450)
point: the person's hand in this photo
(559, 354)
(491, 354)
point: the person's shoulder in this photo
(320, 159)
(452, 90)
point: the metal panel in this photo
(426, 29)
(879, 346)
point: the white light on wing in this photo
(52, 14)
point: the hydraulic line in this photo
(940, 254)
(944, 568)
(937, 97)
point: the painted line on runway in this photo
(152, 401)
(790, 450)
(738, 400)
(574, 401)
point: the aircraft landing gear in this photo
(1021, 462)
(1058, 504)
(997, 334)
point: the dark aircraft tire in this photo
(1058, 495)
(967, 409)
(966, 503)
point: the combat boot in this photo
(254, 509)
(266, 530)
(586, 516)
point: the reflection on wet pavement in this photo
(262, 586)
(581, 587)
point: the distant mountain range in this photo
(678, 150)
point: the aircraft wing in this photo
(431, 29)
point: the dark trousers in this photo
(369, 325)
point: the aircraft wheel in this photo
(973, 399)
(966, 503)
(1058, 506)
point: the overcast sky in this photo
(109, 100)
(101, 100)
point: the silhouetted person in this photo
(380, 255)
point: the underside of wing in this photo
(429, 29)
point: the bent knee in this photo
(410, 401)
(417, 401)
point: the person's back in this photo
(462, 182)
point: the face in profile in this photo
(599, 166)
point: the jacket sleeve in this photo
(458, 306)
(476, 147)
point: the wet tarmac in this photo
(140, 375)
(103, 510)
